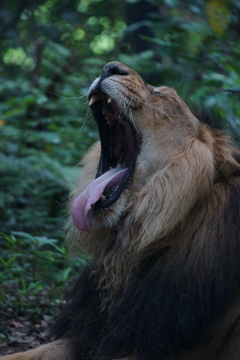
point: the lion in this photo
(158, 209)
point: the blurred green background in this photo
(50, 52)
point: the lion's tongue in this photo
(82, 208)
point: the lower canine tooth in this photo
(108, 119)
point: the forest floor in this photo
(21, 333)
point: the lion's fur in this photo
(164, 279)
(186, 172)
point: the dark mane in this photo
(192, 291)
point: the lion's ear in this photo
(225, 155)
(226, 164)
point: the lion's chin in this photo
(109, 218)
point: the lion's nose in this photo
(114, 68)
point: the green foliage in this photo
(47, 62)
(33, 272)
(195, 49)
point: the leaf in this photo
(23, 234)
(218, 15)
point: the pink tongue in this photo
(82, 206)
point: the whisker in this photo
(178, 84)
(68, 98)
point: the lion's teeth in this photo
(108, 119)
(104, 110)
(91, 101)
(109, 100)
(95, 98)
(102, 197)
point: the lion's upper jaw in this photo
(142, 129)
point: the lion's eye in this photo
(157, 93)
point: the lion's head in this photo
(142, 128)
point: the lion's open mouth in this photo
(120, 145)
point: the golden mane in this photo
(158, 208)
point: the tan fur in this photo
(178, 166)
(57, 350)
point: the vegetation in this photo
(31, 272)
(50, 51)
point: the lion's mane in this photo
(165, 270)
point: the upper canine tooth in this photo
(109, 100)
(95, 98)
(91, 101)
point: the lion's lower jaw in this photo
(109, 218)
